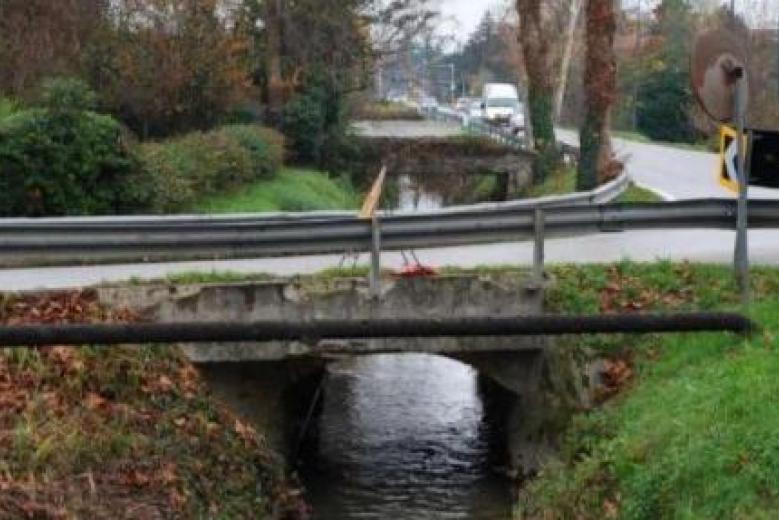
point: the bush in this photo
(664, 104)
(304, 124)
(7, 107)
(315, 120)
(266, 147)
(63, 160)
(67, 95)
(176, 172)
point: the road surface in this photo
(675, 173)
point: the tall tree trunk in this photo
(534, 38)
(275, 86)
(576, 7)
(596, 163)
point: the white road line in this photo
(667, 197)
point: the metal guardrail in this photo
(477, 126)
(77, 242)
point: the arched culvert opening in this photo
(403, 436)
(278, 398)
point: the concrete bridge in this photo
(274, 384)
(437, 150)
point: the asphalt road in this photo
(673, 172)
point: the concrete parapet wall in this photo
(446, 296)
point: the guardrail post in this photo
(741, 255)
(375, 274)
(538, 246)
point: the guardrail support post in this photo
(375, 274)
(742, 249)
(538, 246)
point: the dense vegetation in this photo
(173, 174)
(693, 432)
(62, 158)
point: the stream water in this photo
(425, 192)
(403, 437)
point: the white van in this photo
(500, 103)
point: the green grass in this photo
(207, 277)
(636, 194)
(561, 182)
(695, 434)
(294, 189)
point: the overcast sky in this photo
(466, 14)
(463, 15)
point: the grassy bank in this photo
(635, 194)
(122, 432)
(563, 182)
(293, 189)
(693, 435)
(692, 432)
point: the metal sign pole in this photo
(742, 249)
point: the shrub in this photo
(67, 95)
(7, 107)
(61, 162)
(664, 106)
(173, 173)
(304, 125)
(176, 172)
(266, 147)
(316, 120)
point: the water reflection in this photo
(404, 436)
(422, 192)
(413, 196)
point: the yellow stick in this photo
(372, 199)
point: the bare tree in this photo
(41, 38)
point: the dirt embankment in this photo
(125, 432)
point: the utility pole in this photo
(451, 84)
